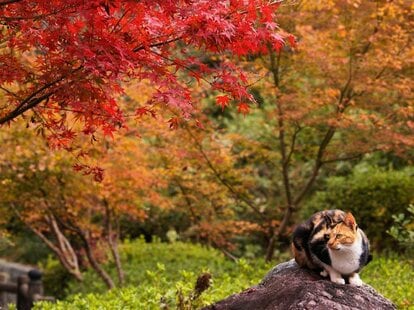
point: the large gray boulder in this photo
(289, 287)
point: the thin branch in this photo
(31, 101)
(318, 164)
(158, 44)
(343, 102)
(65, 247)
(41, 89)
(186, 198)
(225, 252)
(347, 87)
(293, 143)
(221, 179)
(10, 93)
(119, 21)
(275, 69)
(6, 2)
(18, 111)
(351, 157)
(71, 266)
(37, 232)
(184, 66)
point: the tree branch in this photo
(350, 157)
(186, 198)
(21, 109)
(141, 47)
(6, 2)
(293, 143)
(217, 174)
(36, 17)
(318, 164)
(32, 100)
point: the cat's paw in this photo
(324, 273)
(355, 280)
(338, 280)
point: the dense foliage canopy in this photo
(60, 56)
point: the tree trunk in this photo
(112, 239)
(95, 265)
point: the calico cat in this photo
(331, 241)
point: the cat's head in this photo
(343, 234)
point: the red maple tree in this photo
(66, 60)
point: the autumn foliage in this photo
(73, 56)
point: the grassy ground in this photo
(393, 277)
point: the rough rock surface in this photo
(288, 287)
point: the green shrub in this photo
(373, 195)
(55, 277)
(403, 230)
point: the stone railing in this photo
(20, 285)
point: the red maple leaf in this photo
(174, 122)
(223, 101)
(243, 108)
(145, 111)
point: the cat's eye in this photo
(326, 236)
(339, 236)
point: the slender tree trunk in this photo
(113, 243)
(285, 160)
(89, 254)
(61, 245)
(67, 259)
(94, 263)
(293, 203)
(117, 259)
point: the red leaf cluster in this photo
(74, 55)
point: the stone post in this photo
(23, 302)
(35, 286)
(4, 278)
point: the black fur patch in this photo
(365, 257)
(320, 250)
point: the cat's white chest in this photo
(346, 260)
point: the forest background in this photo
(205, 157)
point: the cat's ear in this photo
(350, 220)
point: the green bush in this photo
(55, 277)
(403, 230)
(373, 195)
